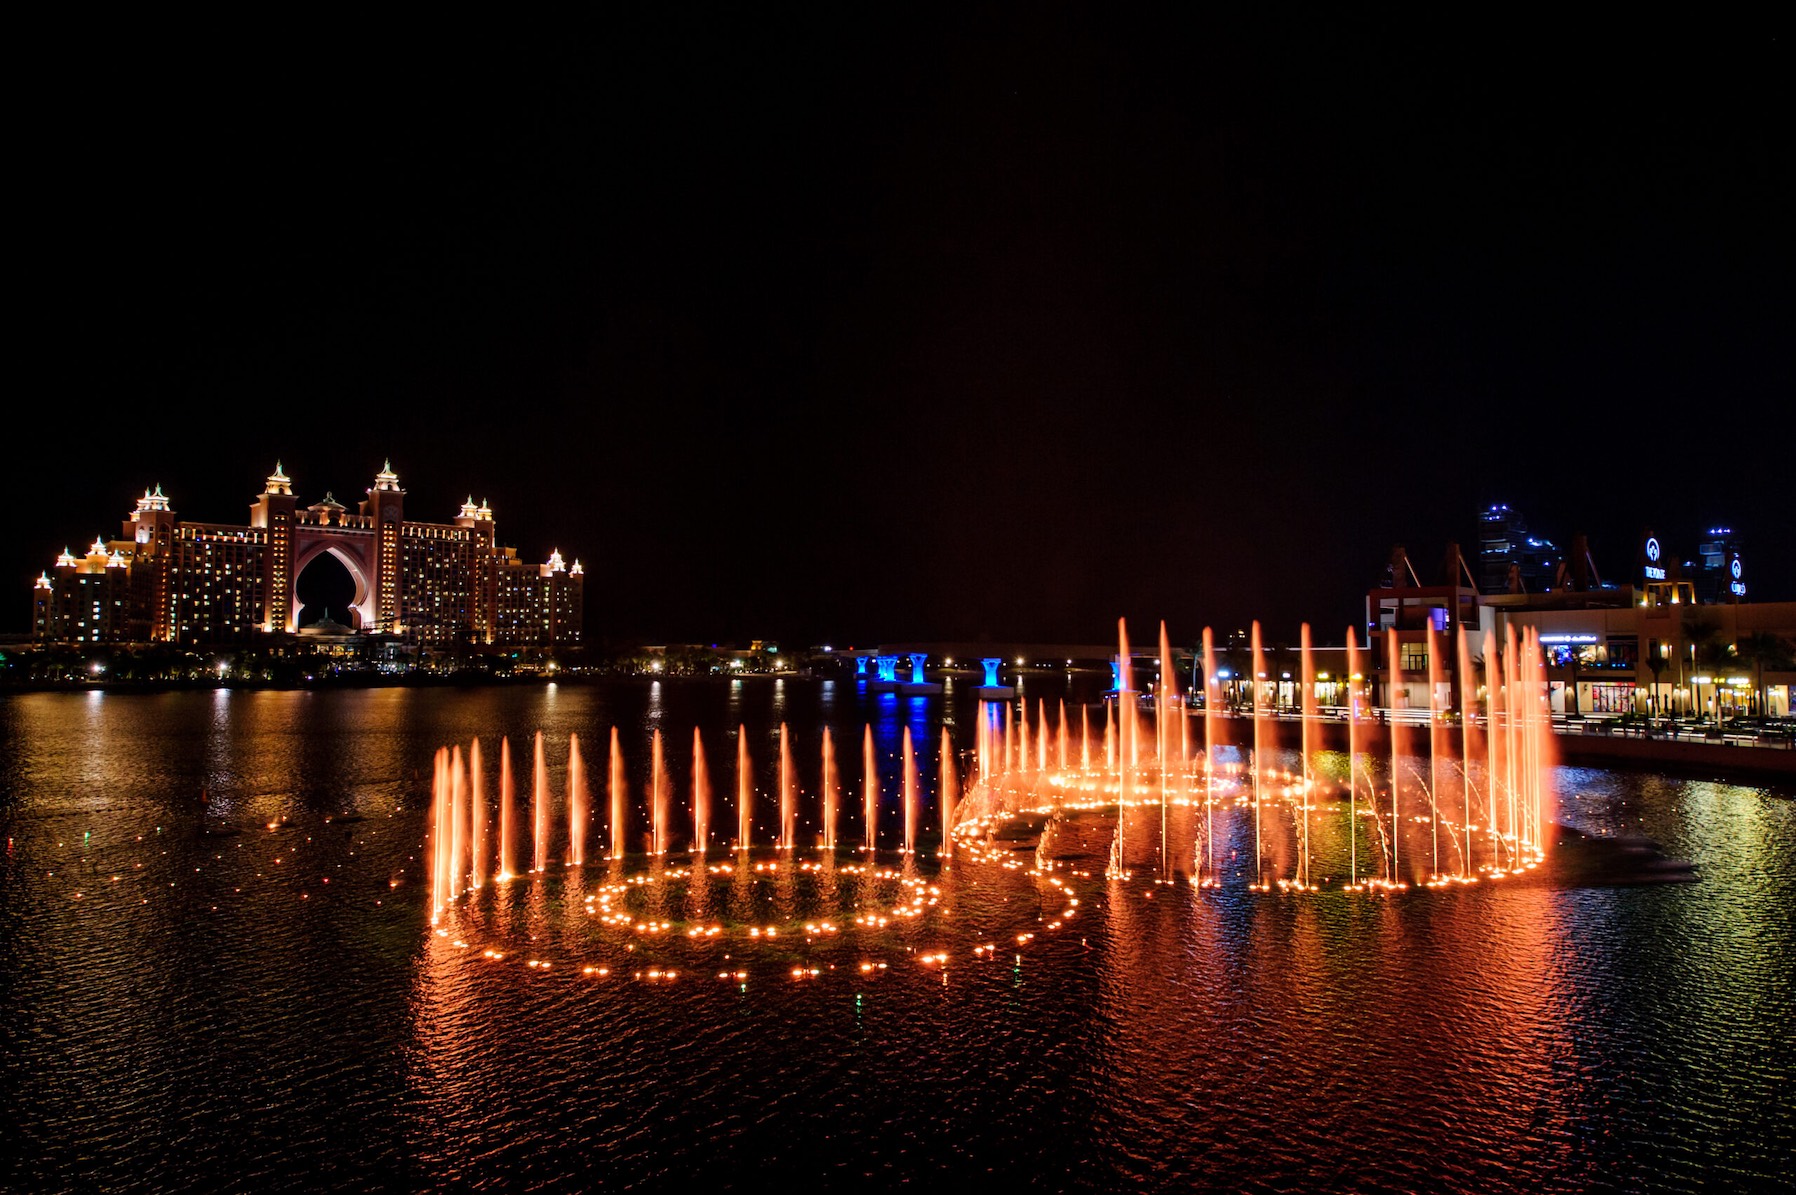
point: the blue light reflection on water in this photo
(246, 1024)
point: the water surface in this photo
(266, 1009)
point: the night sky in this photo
(920, 328)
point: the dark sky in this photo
(920, 328)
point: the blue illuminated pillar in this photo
(888, 667)
(916, 667)
(860, 665)
(1116, 676)
(992, 664)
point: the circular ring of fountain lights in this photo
(1477, 810)
(857, 913)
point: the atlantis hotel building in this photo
(171, 580)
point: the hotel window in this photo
(1412, 657)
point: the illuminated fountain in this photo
(701, 795)
(745, 792)
(910, 795)
(949, 788)
(1473, 805)
(579, 803)
(660, 798)
(788, 794)
(831, 786)
(869, 791)
(617, 792)
(539, 807)
(1283, 800)
(508, 862)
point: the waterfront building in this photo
(1649, 645)
(172, 580)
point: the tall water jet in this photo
(1493, 735)
(1514, 706)
(788, 794)
(1130, 749)
(910, 795)
(579, 803)
(1469, 749)
(1355, 673)
(539, 807)
(1536, 731)
(458, 813)
(1165, 709)
(659, 804)
(870, 789)
(1312, 729)
(1085, 738)
(439, 835)
(950, 784)
(745, 792)
(1259, 753)
(618, 790)
(1041, 734)
(1022, 735)
(1394, 682)
(701, 795)
(831, 790)
(1212, 700)
(478, 814)
(1125, 699)
(508, 799)
(983, 742)
(1437, 744)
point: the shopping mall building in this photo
(1657, 643)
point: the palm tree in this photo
(1717, 657)
(1701, 637)
(1765, 651)
(1656, 663)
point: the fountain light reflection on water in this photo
(1483, 1037)
(1022, 789)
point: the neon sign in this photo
(1654, 570)
(1568, 638)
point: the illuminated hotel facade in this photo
(175, 581)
